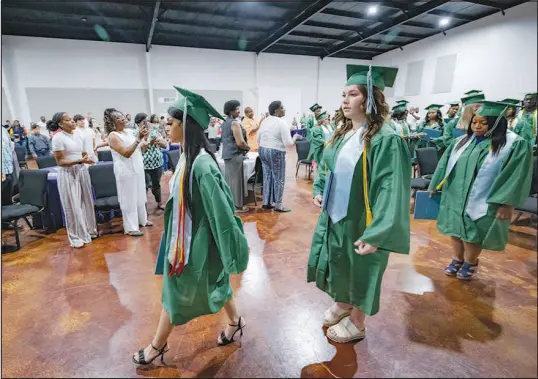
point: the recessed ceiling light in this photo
(444, 21)
(84, 19)
(372, 9)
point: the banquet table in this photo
(249, 166)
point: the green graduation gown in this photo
(317, 143)
(525, 126)
(333, 264)
(218, 248)
(511, 187)
(447, 137)
(309, 125)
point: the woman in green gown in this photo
(471, 102)
(320, 134)
(364, 192)
(203, 241)
(482, 176)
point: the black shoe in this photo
(142, 359)
(268, 207)
(282, 210)
(226, 341)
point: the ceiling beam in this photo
(181, 7)
(350, 14)
(385, 27)
(404, 35)
(297, 33)
(329, 25)
(440, 13)
(167, 21)
(312, 9)
(153, 23)
(423, 25)
(487, 3)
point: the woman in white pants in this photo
(73, 181)
(129, 171)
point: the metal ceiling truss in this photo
(384, 27)
(309, 11)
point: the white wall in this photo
(497, 54)
(38, 66)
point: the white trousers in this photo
(132, 198)
(77, 201)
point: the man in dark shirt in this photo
(38, 143)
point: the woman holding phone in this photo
(152, 156)
(129, 170)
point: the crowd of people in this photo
(364, 158)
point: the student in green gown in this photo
(203, 241)
(482, 176)
(511, 113)
(364, 192)
(452, 111)
(470, 102)
(526, 126)
(320, 134)
(316, 109)
(433, 119)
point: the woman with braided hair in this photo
(129, 170)
(73, 181)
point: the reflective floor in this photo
(81, 313)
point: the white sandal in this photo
(345, 331)
(334, 315)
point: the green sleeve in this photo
(420, 127)
(317, 143)
(391, 124)
(513, 184)
(319, 181)
(446, 139)
(524, 130)
(226, 228)
(440, 170)
(389, 193)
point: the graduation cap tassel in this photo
(370, 103)
(490, 132)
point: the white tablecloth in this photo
(249, 166)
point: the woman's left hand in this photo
(504, 212)
(364, 248)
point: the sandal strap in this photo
(161, 350)
(142, 357)
(346, 329)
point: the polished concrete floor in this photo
(81, 313)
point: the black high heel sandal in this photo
(226, 341)
(142, 358)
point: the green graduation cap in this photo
(402, 102)
(491, 108)
(453, 103)
(197, 107)
(511, 101)
(473, 92)
(315, 107)
(531, 94)
(381, 76)
(321, 116)
(473, 98)
(399, 107)
(433, 107)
